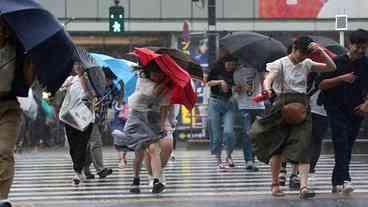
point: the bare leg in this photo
(166, 145)
(139, 155)
(154, 152)
(275, 170)
(147, 162)
(304, 174)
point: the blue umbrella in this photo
(41, 36)
(121, 69)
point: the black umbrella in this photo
(41, 36)
(183, 60)
(253, 49)
(330, 44)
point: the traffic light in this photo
(116, 19)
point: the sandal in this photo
(282, 177)
(278, 192)
(306, 193)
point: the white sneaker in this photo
(150, 180)
(336, 189)
(172, 156)
(163, 178)
(77, 178)
(347, 188)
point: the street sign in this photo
(341, 22)
(116, 19)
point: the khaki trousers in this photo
(9, 121)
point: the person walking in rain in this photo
(145, 126)
(278, 136)
(221, 108)
(16, 77)
(344, 95)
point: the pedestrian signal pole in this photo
(212, 33)
(116, 18)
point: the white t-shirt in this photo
(248, 76)
(293, 76)
(315, 108)
(144, 99)
(7, 70)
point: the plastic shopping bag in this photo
(73, 111)
(29, 105)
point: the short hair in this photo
(229, 58)
(359, 36)
(302, 43)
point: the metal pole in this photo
(342, 38)
(212, 33)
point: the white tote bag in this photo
(73, 111)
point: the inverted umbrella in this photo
(253, 49)
(96, 76)
(122, 69)
(183, 60)
(182, 91)
(41, 36)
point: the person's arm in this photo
(267, 83)
(327, 66)
(84, 83)
(335, 81)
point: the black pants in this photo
(319, 129)
(78, 142)
(345, 128)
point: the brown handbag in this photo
(293, 113)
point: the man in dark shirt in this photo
(221, 109)
(344, 97)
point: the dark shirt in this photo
(217, 72)
(347, 95)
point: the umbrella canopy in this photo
(253, 49)
(43, 37)
(96, 76)
(182, 91)
(122, 69)
(330, 44)
(183, 60)
(30, 21)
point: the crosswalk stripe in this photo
(48, 179)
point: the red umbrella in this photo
(182, 91)
(317, 56)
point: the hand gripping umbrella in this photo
(182, 91)
(123, 70)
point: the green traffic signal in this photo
(116, 19)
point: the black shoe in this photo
(89, 176)
(105, 172)
(294, 182)
(135, 189)
(282, 178)
(158, 188)
(5, 204)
